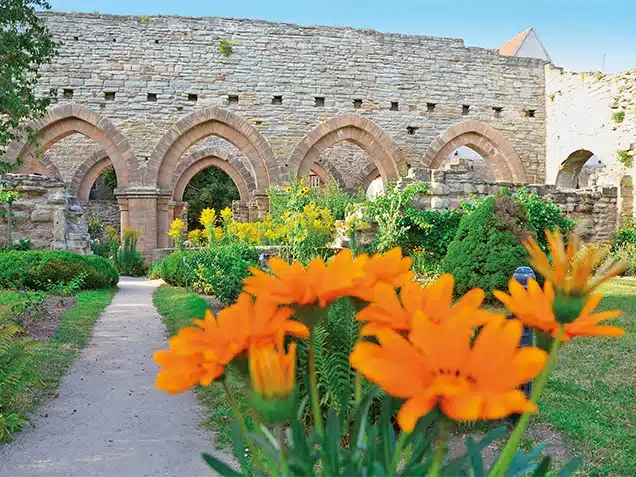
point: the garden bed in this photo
(42, 325)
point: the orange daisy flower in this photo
(436, 365)
(570, 271)
(273, 372)
(198, 355)
(433, 302)
(320, 283)
(536, 309)
(390, 268)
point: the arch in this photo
(212, 157)
(484, 139)
(88, 172)
(368, 179)
(568, 175)
(211, 122)
(72, 118)
(47, 168)
(375, 141)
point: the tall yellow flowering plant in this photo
(177, 228)
(443, 359)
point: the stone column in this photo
(123, 213)
(261, 202)
(163, 220)
(141, 215)
(240, 211)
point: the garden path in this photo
(108, 419)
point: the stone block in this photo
(42, 215)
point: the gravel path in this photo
(108, 419)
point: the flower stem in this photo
(508, 452)
(313, 386)
(241, 419)
(358, 387)
(442, 447)
(398, 452)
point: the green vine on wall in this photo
(624, 158)
(618, 117)
(225, 47)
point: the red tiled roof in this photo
(511, 47)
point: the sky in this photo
(580, 35)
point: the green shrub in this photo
(487, 250)
(219, 271)
(626, 235)
(541, 215)
(38, 269)
(432, 231)
(127, 259)
(627, 253)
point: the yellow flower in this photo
(304, 191)
(218, 233)
(437, 365)
(176, 228)
(540, 309)
(288, 189)
(208, 218)
(570, 272)
(226, 214)
(272, 371)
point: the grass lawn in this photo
(591, 396)
(178, 307)
(49, 360)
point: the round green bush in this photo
(38, 268)
(487, 249)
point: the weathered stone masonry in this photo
(155, 96)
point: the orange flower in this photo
(273, 372)
(390, 268)
(434, 302)
(199, 354)
(536, 309)
(438, 366)
(570, 272)
(319, 283)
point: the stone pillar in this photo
(261, 202)
(164, 219)
(626, 199)
(139, 212)
(240, 211)
(123, 213)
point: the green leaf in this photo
(238, 446)
(474, 454)
(570, 467)
(220, 466)
(543, 468)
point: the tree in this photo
(25, 45)
(211, 188)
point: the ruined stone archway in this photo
(487, 141)
(68, 119)
(568, 175)
(368, 179)
(376, 142)
(212, 157)
(211, 122)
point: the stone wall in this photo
(106, 210)
(414, 87)
(595, 209)
(46, 214)
(589, 113)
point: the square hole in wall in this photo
(193, 97)
(53, 94)
(68, 93)
(430, 107)
(465, 109)
(529, 112)
(114, 40)
(411, 130)
(319, 101)
(76, 38)
(497, 111)
(152, 97)
(109, 96)
(156, 41)
(277, 99)
(233, 98)
(357, 103)
(395, 106)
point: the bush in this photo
(487, 250)
(127, 259)
(38, 269)
(432, 231)
(219, 271)
(625, 236)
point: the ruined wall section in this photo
(591, 111)
(145, 73)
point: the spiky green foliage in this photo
(14, 360)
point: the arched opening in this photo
(349, 132)
(466, 155)
(486, 141)
(579, 170)
(213, 175)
